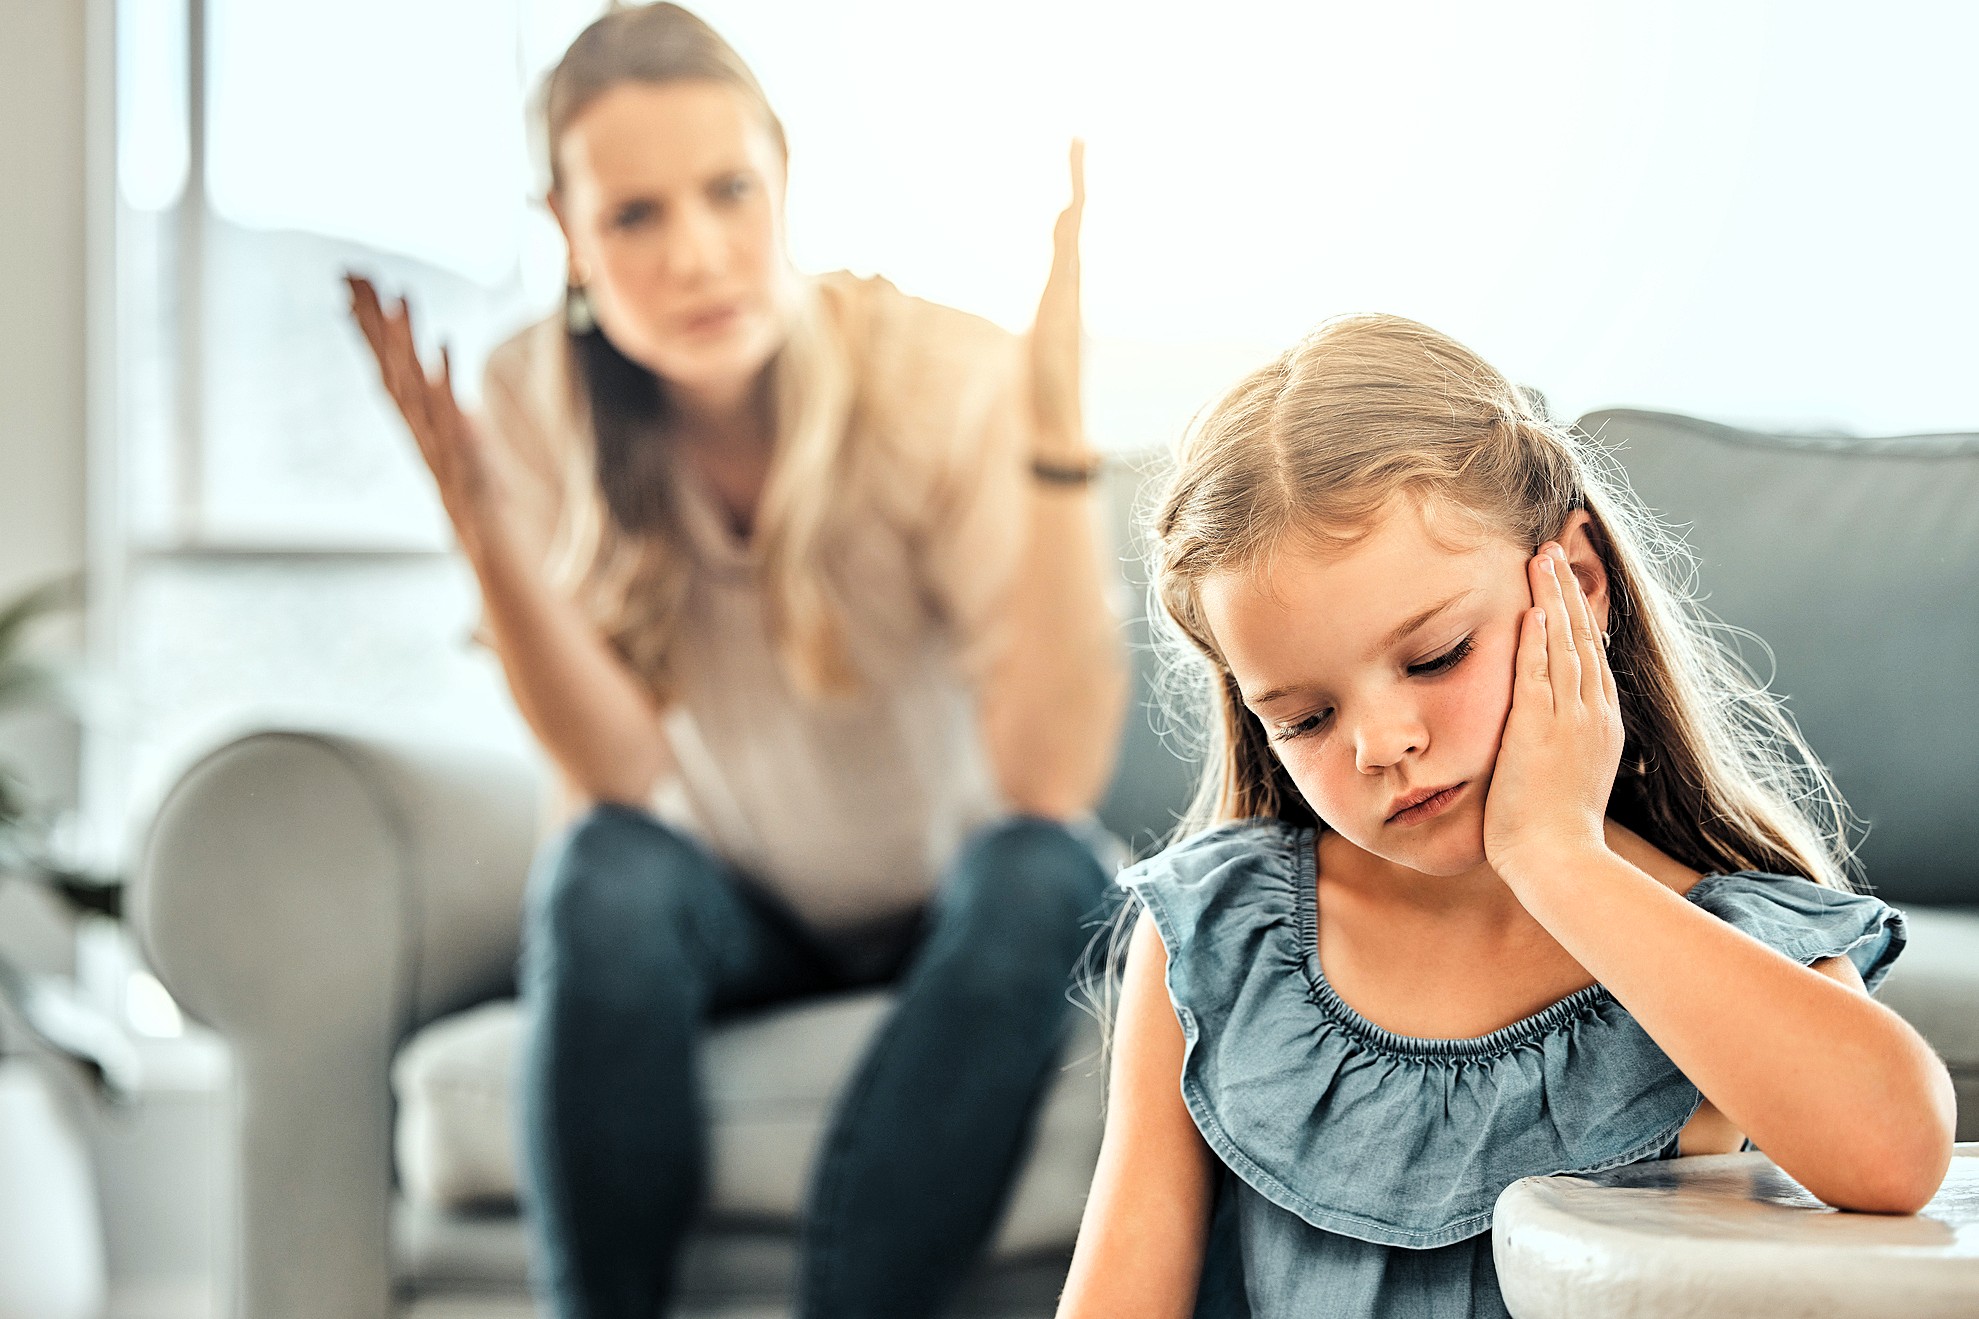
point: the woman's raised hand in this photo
(1054, 340)
(454, 449)
(1563, 739)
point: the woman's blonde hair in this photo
(620, 544)
(1369, 409)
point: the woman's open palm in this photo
(453, 447)
(1054, 340)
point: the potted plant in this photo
(51, 1250)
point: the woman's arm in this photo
(1838, 1090)
(589, 711)
(1146, 1225)
(592, 716)
(1055, 696)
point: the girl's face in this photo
(1383, 673)
(671, 199)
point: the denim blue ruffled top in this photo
(1366, 1163)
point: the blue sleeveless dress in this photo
(1361, 1165)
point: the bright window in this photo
(1747, 211)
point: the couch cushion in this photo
(771, 1080)
(1853, 561)
(483, 1257)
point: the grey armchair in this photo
(344, 911)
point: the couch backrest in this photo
(1855, 561)
(1157, 768)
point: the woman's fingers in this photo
(370, 317)
(1065, 246)
(1058, 309)
(389, 333)
(1055, 335)
(445, 410)
(411, 371)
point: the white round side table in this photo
(1730, 1236)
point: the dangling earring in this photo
(578, 317)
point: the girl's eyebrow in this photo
(1407, 628)
(1409, 625)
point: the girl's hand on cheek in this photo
(1563, 739)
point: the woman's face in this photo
(1380, 672)
(671, 199)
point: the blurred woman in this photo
(797, 581)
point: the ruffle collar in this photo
(1399, 1140)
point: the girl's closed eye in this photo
(1443, 663)
(1309, 724)
(1449, 659)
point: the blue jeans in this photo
(635, 936)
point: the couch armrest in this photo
(313, 897)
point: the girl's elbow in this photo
(1918, 1174)
(1899, 1186)
(1904, 1167)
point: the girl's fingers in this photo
(1534, 663)
(1608, 692)
(1587, 639)
(1551, 596)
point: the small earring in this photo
(578, 317)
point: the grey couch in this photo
(344, 911)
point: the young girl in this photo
(1431, 942)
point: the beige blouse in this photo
(846, 807)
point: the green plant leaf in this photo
(25, 681)
(60, 593)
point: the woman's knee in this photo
(1033, 866)
(1017, 903)
(618, 886)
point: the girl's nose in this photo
(1377, 745)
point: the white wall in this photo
(43, 377)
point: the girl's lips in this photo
(1428, 808)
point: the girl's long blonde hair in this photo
(1367, 409)
(620, 545)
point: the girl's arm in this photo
(1054, 699)
(1838, 1090)
(587, 709)
(1146, 1224)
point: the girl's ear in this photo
(1579, 539)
